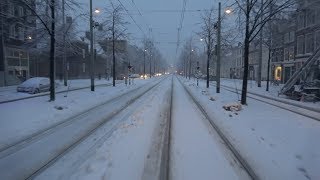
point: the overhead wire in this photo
(132, 18)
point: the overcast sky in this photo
(163, 17)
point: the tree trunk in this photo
(246, 62)
(52, 44)
(260, 49)
(208, 64)
(113, 54)
(268, 73)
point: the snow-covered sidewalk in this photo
(10, 92)
(21, 119)
(272, 93)
(278, 144)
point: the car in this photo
(34, 85)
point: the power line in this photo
(132, 18)
(139, 12)
(180, 23)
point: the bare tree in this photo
(256, 14)
(116, 30)
(207, 34)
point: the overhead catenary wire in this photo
(132, 17)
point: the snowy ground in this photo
(120, 149)
(37, 113)
(273, 91)
(277, 144)
(197, 152)
(10, 92)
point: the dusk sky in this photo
(163, 18)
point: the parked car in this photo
(34, 85)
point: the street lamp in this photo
(227, 11)
(97, 11)
(92, 24)
(144, 63)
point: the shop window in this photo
(277, 73)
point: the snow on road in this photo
(196, 152)
(120, 149)
(278, 144)
(23, 118)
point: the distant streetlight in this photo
(97, 11)
(29, 37)
(228, 11)
(144, 64)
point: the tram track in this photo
(10, 155)
(241, 161)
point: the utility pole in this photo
(218, 50)
(150, 64)
(190, 54)
(260, 49)
(64, 68)
(91, 49)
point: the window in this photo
(301, 20)
(317, 39)
(11, 9)
(286, 54)
(20, 11)
(19, 33)
(291, 53)
(309, 43)
(317, 16)
(12, 32)
(286, 38)
(292, 35)
(300, 45)
(310, 20)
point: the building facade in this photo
(16, 28)
(295, 39)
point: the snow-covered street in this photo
(158, 128)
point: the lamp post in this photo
(144, 63)
(218, 50)
(190, 59)
(227, 11)
(150, 64)
(91, 49)
(92, 53)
